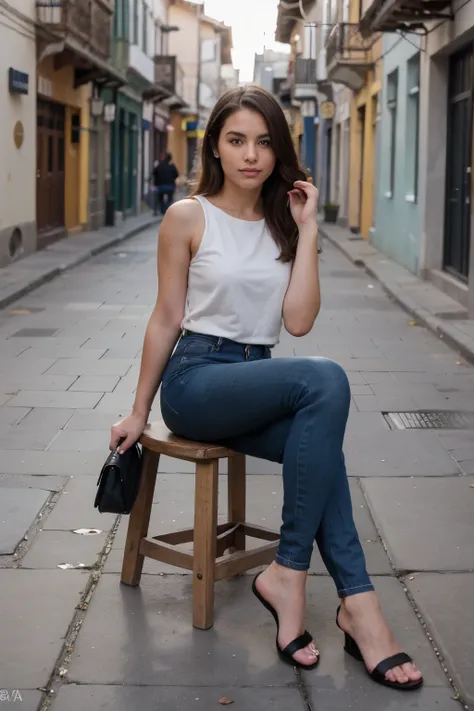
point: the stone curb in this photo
(27, 284)
(445, 329)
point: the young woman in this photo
(235, 261)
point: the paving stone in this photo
(53, 548)
(25, 699)
(45, 418)
(455, 440)
(77, 366)
(36, 382)
(74, 697)
(404, 507)
(31, 481)
(81, 441)
(238, 650)
(13, 438)
(4, 398)
(16, 366)
(18, 510)
(397, 453)
(91, 420)
(62, 463)
(397, 402)
(12, 415)
(43, 398)
(95, 383)
(75, 508)
(62, 352)
(445, 602)
(33, 623)
(467, 466)
(35, 332)
(379, 699)
(365, 422)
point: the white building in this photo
(18, 135)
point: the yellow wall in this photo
(361, 184)
(77, 155)
(177, 142)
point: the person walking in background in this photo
(165, 174)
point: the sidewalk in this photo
(74, 639)
(434, 309)
(19, 278)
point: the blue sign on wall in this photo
(17, 81)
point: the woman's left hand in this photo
(304, 203)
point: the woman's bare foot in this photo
(361, 617)
(284, 589)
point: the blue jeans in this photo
(289, 410)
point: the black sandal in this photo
(378, 674)
(286, 655)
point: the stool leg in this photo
(139, 520)
(205, 543)
(236, 497)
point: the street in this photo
(73, 637)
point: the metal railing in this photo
(88, 21)
(345, 43)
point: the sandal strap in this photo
(386, 664)
(299, 643)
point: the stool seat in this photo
(219, 551)
(158, 438)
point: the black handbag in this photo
(119, 481)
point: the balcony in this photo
(170, 75)
(404, 15)
(88, 22)
(305, 79)
(348, 56)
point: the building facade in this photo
(18, 138)
(356, 62)
(398, 206)
(203, 49)
(442, 250)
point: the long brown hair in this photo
(287, 168)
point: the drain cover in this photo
(439, 420)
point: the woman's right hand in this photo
(129, 429)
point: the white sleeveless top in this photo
(236, 284)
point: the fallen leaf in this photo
(472, 486)
(412, 323)
(224, 701)
(459, 362)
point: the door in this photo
(458, 168)
(50, 167)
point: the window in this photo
(392, 91)
(145, 28)
(135, 21)
(412, 128)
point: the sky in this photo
(253, 25)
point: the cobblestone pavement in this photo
(69, 359)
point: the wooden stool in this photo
(208, 560)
